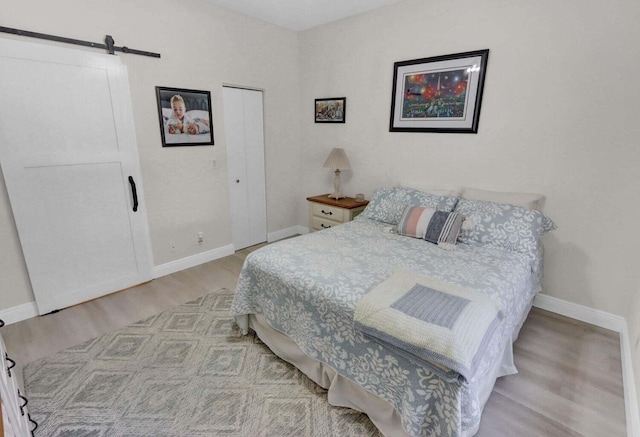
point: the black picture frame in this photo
(198, 129)
(439, 94)
(330, 110)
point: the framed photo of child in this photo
(185, 117)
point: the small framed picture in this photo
(331, 110)
(185, 117)
(438, 94)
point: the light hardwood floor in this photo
(569, 381)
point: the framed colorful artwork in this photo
(438, 94)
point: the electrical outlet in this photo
(200, 238)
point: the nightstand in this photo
(325, 212)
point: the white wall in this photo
(560, 116)
(202, 47)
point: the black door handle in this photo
(134, 193)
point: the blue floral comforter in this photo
(307, 288)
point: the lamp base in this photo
(337, 192)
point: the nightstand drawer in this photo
(327, 212)
(319, 223)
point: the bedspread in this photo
(308, 287)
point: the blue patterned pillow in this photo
(388, 204)
(502, 226)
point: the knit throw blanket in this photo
(445, 324)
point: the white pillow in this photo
(525, 200)
(431, 190)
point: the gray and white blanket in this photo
(435, 321)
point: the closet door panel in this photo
(67, 149)
(56, 108)
(243, 119)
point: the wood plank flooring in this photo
(570, 373)
(569, 382)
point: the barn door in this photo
(70, 164)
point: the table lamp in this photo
(337, 160)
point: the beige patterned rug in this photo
(183, 372)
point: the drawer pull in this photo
(326, 213)
(13, 364)
(26, 401)
(323, 226)
(32, 421)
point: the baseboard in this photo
(628, 378)
(580, 312)
(29, 309)
(286, 233)
(613, 323)
(18, 313)
(191, 261)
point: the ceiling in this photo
(301, 14)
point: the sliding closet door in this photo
(70, 164)
(243, 125)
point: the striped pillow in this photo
(438, 227)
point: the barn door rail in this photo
(109, 43)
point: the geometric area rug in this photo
(185, 372)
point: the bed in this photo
(301, 296)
